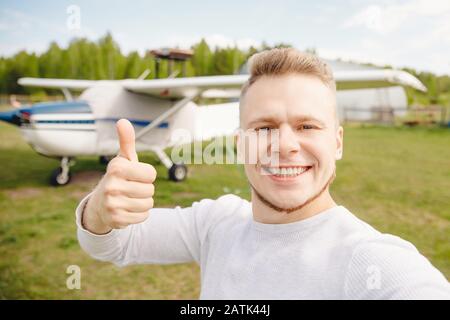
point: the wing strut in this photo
(177, 106)
(67, 94)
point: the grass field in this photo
(397, 179)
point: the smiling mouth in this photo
(285, 171)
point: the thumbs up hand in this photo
(124, 196)
(125, 131)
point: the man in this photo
(292, 241)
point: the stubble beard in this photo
(271, 205)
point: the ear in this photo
(339, 143)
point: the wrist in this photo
(90, 219)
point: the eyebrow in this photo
(297, 119)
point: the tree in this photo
(202, 59)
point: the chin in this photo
(292, 202)
(287, 198)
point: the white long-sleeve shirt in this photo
(332, 255)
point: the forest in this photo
(103, 59)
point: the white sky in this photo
(413, 33)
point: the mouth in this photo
(285, 172)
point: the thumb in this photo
(125, 131)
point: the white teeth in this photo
(272, 170)
(291, 171)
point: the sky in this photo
(403, 33)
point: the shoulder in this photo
(384, 266)
(224, 205)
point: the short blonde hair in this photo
(281, 61)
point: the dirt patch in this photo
(87, 178)
(23, 193)
(78, 195)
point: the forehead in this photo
(288, 96)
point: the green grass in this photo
(397, 179)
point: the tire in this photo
(105, 159)
(56, 179)
(177, 172)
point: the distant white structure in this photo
(366, 104)
(375, 104)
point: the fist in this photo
(124, 196)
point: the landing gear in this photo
(105, 159)
(177, 172)
(61, 176)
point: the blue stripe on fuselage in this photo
(71, 107)
(137, 122)
(62, 107)
(134, 122)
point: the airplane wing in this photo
(226, 86)
(72, 84)
(163, 88)
(229, 86)
(376, 78)
(184, 87)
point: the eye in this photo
(266, 128)
(306, 127)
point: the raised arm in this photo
(115, 222)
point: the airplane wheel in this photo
(105, 159)
(58, 178)
(177, 172)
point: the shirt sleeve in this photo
(391, 268)
(167, 236)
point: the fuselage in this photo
(65, 128)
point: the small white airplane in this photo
(156, 108)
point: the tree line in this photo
(103, 59)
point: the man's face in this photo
(301, 110)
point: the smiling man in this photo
(292, 96)
(292, 241)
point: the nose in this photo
(288, 141)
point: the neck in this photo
(265, 214)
